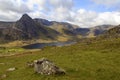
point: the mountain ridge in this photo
(27, 28)
(24, 29)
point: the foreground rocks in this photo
(2, 63)
(3, 76)
(11, 69)
(46, 67)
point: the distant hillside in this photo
(68, 29)
(97, 30)
(112, 33)
(94, 31)
(64, 28)
(25, 29)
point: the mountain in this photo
(82, 31)
(94, 31)
(43, 21)
(66, 30)
(112, 33)
(70, 30)
(25, 29)
(62, 27)
(97, 30)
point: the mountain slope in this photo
(24, 29)
(70, 30)
(62, 27)
(66, 30)
(27, 28)
(101, 29)
(112, 33)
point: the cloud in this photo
(11, 10)
(37, 4)
(85, 18)
(62, 3)
(108, 3)
(9, 16)
(14, 5)
(108, 18)
(58, 10)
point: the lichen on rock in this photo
(47, 67)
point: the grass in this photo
(9, 51)
(98, 60)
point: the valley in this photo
(84, 53)
(59, 39)
(93, 60)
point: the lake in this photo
(42, 45)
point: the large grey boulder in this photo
(46, 67)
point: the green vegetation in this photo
(95, 60)
(10, 51)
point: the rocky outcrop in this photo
(112, 33)
(46, 67)
(11, 69)
(25, 29)
(3, 76)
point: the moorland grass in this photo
(98, 60)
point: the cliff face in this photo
(24, 29)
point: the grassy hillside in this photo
(112, 33)
(98, 60)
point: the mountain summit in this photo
(28, 27)
(25, 17)
(25, 21)
(24, 29)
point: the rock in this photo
(2, 63)
(11, 69)
(3, 76)
(30, 64)
(46, 67)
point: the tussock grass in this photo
(98, 60)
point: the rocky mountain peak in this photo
(25, 17)
(25, 21)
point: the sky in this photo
(84, 13)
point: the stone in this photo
(11, 69)
(46, 67)
(3, 76)
(2, 63)
(30, 64)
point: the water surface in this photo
(42, 45)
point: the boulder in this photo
(11, 69)
(2, 63)
(3, 76)
(47, 67)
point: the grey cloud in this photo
(108, 3)
(59, 10)
(9, 16)
(12, 5)
(62, 3)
